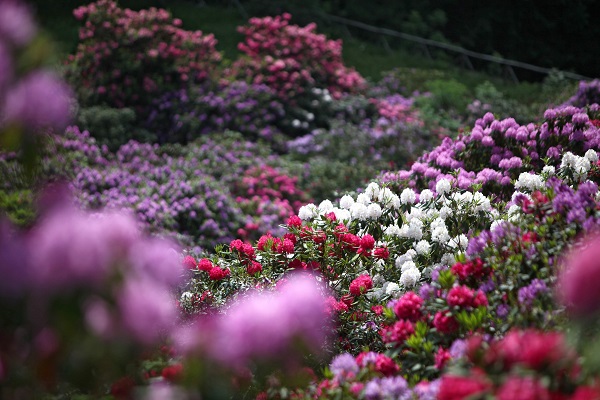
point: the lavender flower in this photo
(528, 293)
(343, 366)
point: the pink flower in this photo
(253, 268)
(218, 273)
(522, 388)
(205, 265)
(409, 307)
(445, 323)
(442, 357)
(462, 387)
(386, 365)
(577, 283)
(381, 253)
(361, 285)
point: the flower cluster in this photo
(95, 281)
(127, 58)
(292, 59)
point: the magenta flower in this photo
(577, 283)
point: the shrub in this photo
(112, 125)
(251, 109)
(128, 58)
(292, 59)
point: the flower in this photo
(344, 366)
(361, 284)
(27, 102)
(409, 307)
(445, 323)
(455, 387)
(577, 287)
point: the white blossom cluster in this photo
(578, 165)
(529, 182)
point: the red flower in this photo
(470, 269)
(218, 273)
(397, 333)
(386, 365)
(294, 221)
(461, 296)
(462, 387)
(253, 267)
(441, 358)
(285, 246)
(445, 323)
(530, 237)
(378, 310)
(367, 242)
(172, 373)
(189, 262)
(409, 307)
(361, 284)
(381, 253)
(123, 388)
(205, 265)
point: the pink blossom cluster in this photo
(68, 251)
(126, 58)
(271, 325)
(293, 59)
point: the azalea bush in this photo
(127, 58)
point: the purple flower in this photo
(147, 309)
(6, 68)
(528, 293)
(39, 100)
(16, 23)
(344, 365)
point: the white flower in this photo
(448, 259)
(325, 207)
(392, 230)
(372, 190)
(442, 186)
(388, 198)
(346, 201)
(410, 277)
(310, 116)
(425, 196)
(459, 242)
(514, 212)
(408, 256)
(483, 203)
(359, 211)
(422, 247)
(296, 123)
(517, 193)
(186, 297)
(342, 215)
(392, 288)
(529, 181)
(591, 155)
(549, 170)
(445, 212)
(438, 222)
(440, 234)
(308, 212)
(374, 211)
(408, 196)
(408, 265)
(363, 198)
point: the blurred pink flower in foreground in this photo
(578, 282)
(264, 326)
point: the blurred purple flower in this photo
(39, 100)
(147, 309)
(17, 26)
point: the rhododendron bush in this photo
(127, 58)
(204, 270)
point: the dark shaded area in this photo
(560, 34)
